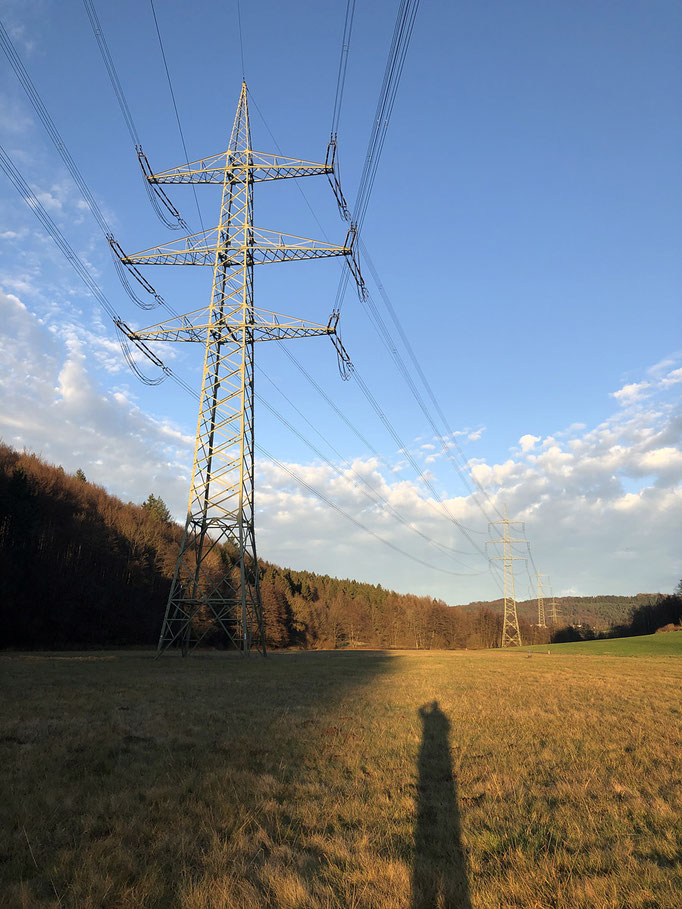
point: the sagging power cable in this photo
(83, 272)
(402, 33)
(327, 501)
(175, 107)
(359, 482)
(33, 95)
(160, 202)
(385, 335)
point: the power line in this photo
(359, 524)
(396, 59)
(241, 39)
(385, 336)
(175, 107)
(420, 473)
(166, 212)
(343, 65)
(59, 143)
(81, 270)
(370, 492)
(400, 41)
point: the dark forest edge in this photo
(80, 568)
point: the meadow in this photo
(353, 779)
(665, 644)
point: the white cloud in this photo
(628, 394)
(528, 442)
(602, 507)
(673, 378)
(54, 406)
(13, 234)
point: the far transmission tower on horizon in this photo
(541, 600)
(553, 617)
(511, 634)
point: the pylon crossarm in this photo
(271, 327)
(267, 246)
(262, 166)
(194, 326)
(196, 249)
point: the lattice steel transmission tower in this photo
(215, 585)
(541, 600)
(553, 617)
(511, 635)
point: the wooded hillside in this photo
(599, 611)
(78, 568)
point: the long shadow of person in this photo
(439, 879)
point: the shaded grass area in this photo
(341, 779)
(667, 643)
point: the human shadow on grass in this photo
(439, 877)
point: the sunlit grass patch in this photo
(342, 779)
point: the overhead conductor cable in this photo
(60, 145)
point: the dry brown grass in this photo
(312, 780)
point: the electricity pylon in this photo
(207, 591)
(553, 617)
(511, 635)
(541, 600)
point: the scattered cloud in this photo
(54, 406)
(528, 442)
(631, 393)
(672, 378)
(602, 504)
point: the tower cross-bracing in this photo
(511, 635)
(215, 584)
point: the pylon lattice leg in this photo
(220, 516)
(215, 584)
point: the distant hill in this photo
(599, 611)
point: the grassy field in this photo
(367, 779)
(668, 643)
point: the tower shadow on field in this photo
(439, 878)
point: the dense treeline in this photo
(647, 618)
(78, 567)
(599, 612)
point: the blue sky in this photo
(525, 222)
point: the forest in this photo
(81, 568)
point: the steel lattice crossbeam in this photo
(263, 167)
(216, 585)
(263, 246)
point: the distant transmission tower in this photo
(511, 635)
(553, 617)
(215, 585)
(541, 600)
